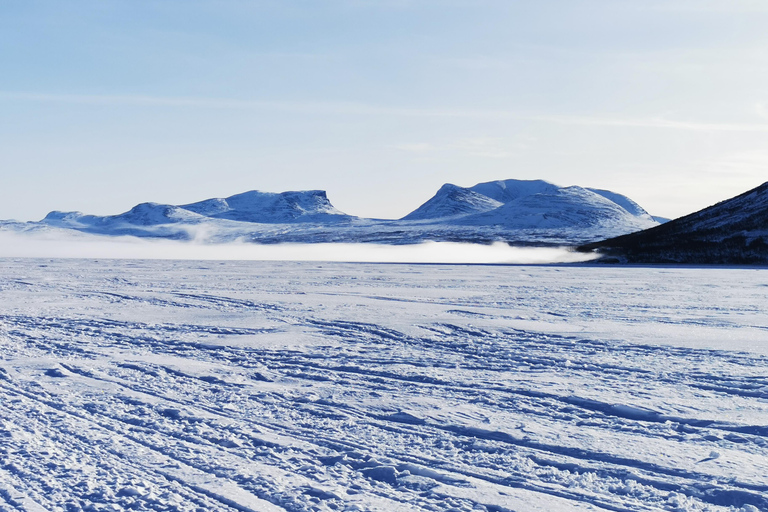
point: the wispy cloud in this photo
(656, 122)
(761, 109)
(482, 147)
(363, 109)
(418, 147)
(716, 6)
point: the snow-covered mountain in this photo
(271, 208)
(171, 221)
(145, 219)
(734, 231)
(536, 204)
(515, 211)
(144, 214)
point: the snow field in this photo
(278, 386)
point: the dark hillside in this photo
(732, 232)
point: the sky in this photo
(108, 103)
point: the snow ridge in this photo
(505, 191)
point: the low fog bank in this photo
(14, 245)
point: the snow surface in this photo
(563, 208)
(275, 386)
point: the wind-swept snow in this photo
(218, 386)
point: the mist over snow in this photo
(60, 245)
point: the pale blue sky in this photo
(104, 104)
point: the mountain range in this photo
(517, 211)
(732, 232)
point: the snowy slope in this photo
(451, 201)
(505, 191)
(623, 201)
(568, 207)
(734, 231)
(303, 387)
(145, 219)
(144, 214)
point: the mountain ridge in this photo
(516, 211)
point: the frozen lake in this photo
(286, 386)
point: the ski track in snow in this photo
(257, 386)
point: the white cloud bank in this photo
(14, 245)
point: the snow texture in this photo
(246, 386)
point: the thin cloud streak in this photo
(652, 123)
(351, 108)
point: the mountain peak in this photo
(533, 204)
(505, 191)
(271, 207)
(451, 201)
